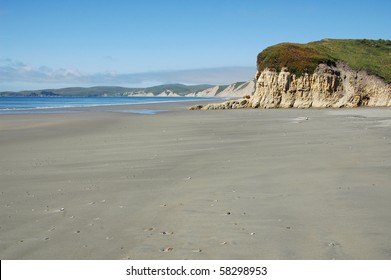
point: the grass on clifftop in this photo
(373, 56)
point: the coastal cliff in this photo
(320, 74)
(328, 86)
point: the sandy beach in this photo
(227, 184)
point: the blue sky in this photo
(52, 44)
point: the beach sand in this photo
(228, 184)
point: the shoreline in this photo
(225, 184)
(72, 108)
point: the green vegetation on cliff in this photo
(373, 56)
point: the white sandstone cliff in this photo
(328, 86)
(233, 90)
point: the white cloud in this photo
(16, 75)
(16, 71)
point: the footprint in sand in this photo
(333, 244)
(168, 249)
(166, 233)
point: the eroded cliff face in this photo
(328, 86)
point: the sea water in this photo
(23, 105)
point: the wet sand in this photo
(237, 184)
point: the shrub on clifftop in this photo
(373, 56)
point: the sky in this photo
(139, 43)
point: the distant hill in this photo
(373, 56)
(233, 90)
(179, 89)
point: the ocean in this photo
(25, 105)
